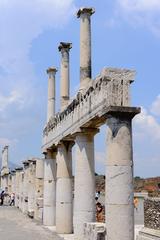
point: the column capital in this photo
(25, 163)
(51, 70)
(87, 131)
(84, 10)
(122, 112)
(50, 153)
(18, 169)
(64, 45)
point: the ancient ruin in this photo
(43, 187)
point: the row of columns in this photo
(85, 64)
(119, 163)
(58, 206)
(27, 184)
(51, 185)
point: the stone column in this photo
(25, 187)
(64, 49)
(21, 181)
(119, 174)
(31, 187)
(17, 193)
(85, 45)
(13, 181)
(49, 204)
(5, 157)
(9, 184)
(84, 200)
(51, 92)
(64, 196)
(39, 189)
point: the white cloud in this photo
(155, 107)
(138, 13)
(146, 126)
(140, 5)
(20, 23)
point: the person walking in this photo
(2, 197)
(12, 200)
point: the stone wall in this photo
(152, 213)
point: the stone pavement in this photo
(15, 226)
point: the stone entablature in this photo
(88, 108)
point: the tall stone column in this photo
(31, 186)
(49, 204)
(17, 193)
(21, 181)
(119, 174)
(85, 45)
(64, 48)
(13, 181)
(39, 189)
(9, 183)
(64, 196)
(25, 187)
(51, 92)
(84, 200)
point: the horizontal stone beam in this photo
(89, 108)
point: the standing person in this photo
(2, 197)
(12, 199)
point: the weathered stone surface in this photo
(89, 109)
(152, 213)
(94, 231)
(148, 234)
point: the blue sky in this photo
(125, 34)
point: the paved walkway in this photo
(15, 226)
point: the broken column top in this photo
(5, 147)
(51, 70)
(83, 10)
(64, 45)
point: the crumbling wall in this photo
(152, 213)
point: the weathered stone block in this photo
(94, 231)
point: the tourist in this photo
(12, 199)
(99, 212)
(136, 203)
(2, 197)
(97, 195)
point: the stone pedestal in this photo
(139, 209)
(85, 45)
(119, 175)
(84, 199)
(94, 231)
(64, 196)
(148, 234)
(49, 207)
(39, 189)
